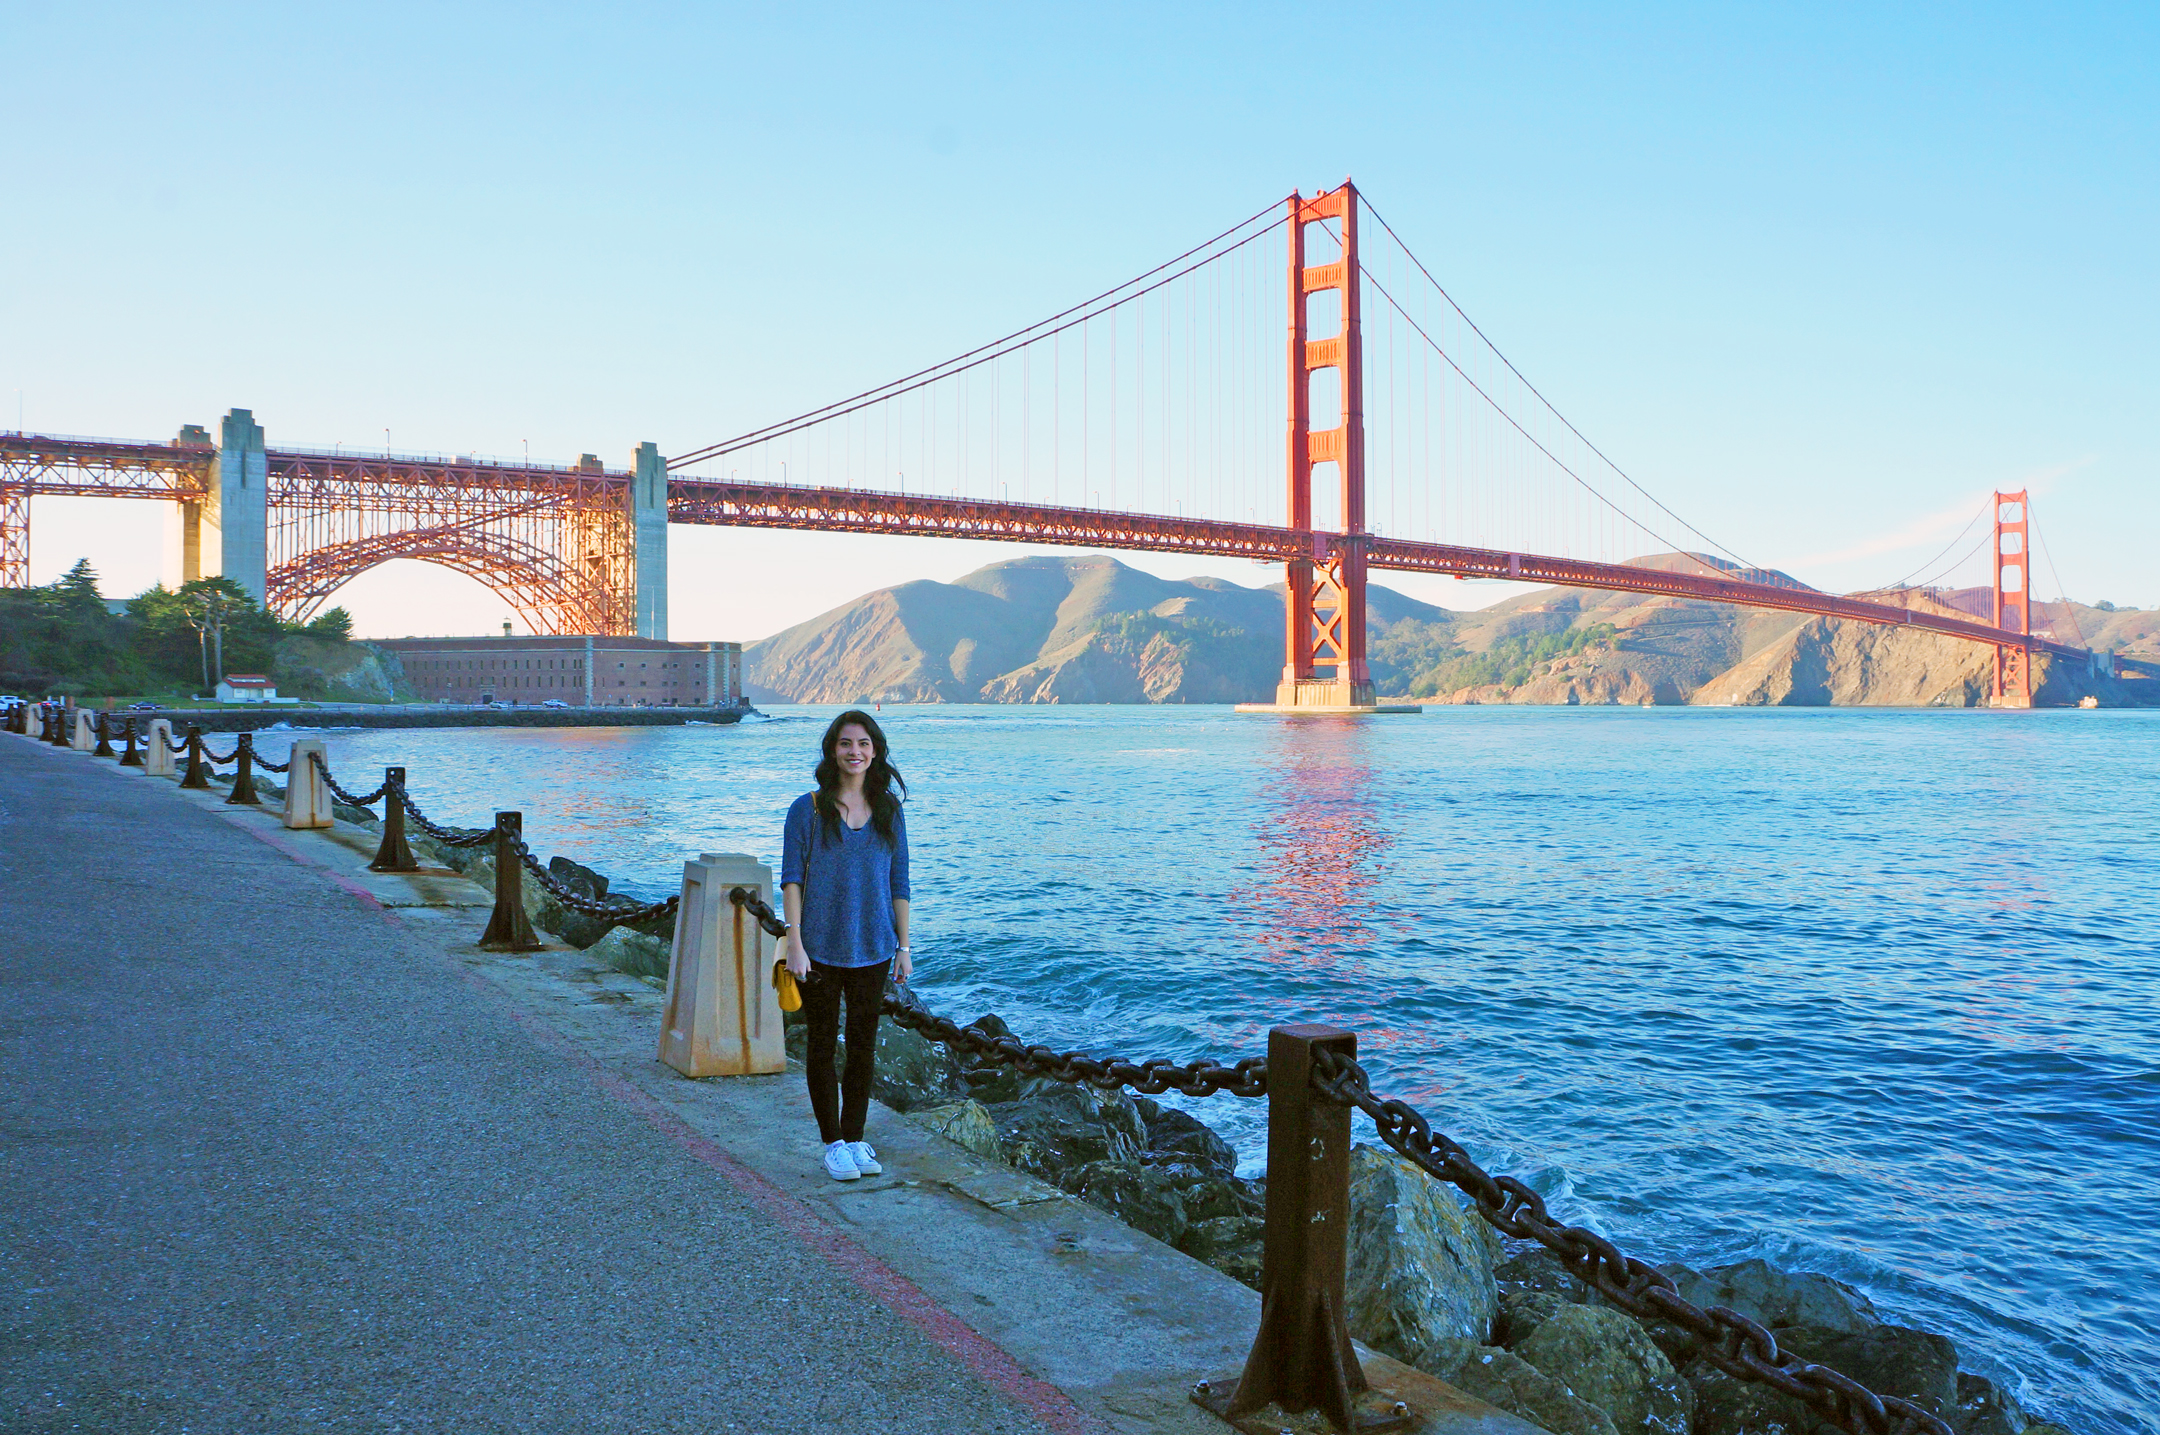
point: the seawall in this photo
(242, 720)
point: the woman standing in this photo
(844, 879)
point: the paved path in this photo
(271, 1161)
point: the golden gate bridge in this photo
(1145, 418)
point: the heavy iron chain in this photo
(1730, 1341)
(593, 907)
(447, 836)
(340, 793)
(260, 761)
(1150, 1078)
(215, 761)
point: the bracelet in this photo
(903, 949)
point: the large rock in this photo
(1985, 1408)
(1887, 1359)
(1728, 1405)
(1231, 1244)
(1209, 1197)
(1053, 1129)
(631, 952)
(1421, 1267)
(1771, 1297)
(964, 1123)
(1535, 1269)
(1503, 1379)
(1523, 1311)
(912, 1070)
(1610, 1361)
(1135, 1194)
(1175, 1135)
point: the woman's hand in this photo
(798, 960)
(903, 965)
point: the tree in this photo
(337, 624)
(78, 585)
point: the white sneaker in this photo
(865, 1159)
(839, 1164)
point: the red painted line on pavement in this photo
(304, 860)
(991, 1363)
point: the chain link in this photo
(263, 762)
(337, 791)
(214, 760)
(1149, 1078)
(1730, 1341)
(593, 907)
(447, 836)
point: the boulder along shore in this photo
(1430, 1283)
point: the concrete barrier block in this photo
(158, 754)
(84, 738)
(307, 791)
(723, 1016)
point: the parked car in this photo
(554, 703)
(143, 708)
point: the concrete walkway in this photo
(272, 1163)
(284, 1152)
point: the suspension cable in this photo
(1533, 388)
(1946, 547)
(982, 353)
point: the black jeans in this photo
(843, 1103)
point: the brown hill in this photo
(1086, 629)
(1089, 629)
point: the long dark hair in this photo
(878, 781)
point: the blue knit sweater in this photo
(849, 884)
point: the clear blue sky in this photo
(1820, 277)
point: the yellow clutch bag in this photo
(783, 982)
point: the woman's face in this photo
(853, 750)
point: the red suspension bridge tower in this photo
(1324, 623)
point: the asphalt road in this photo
(272, 1163)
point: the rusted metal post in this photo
(508, 930)
(243, 783)
(198, 773)
(1302, 1361)
(57, 733)
(394, 855)
(133, 756)
(104, 735)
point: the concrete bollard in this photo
(307, 791)
(723, 1016)
(158, 752)
(85, 738)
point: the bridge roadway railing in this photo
(694, 499)
(1302, 1360)
(64, 465)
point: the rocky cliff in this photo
(333, 670)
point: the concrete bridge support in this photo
(227, 531)
(648, 515)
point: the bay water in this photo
(1873, 993)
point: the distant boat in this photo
(2088, 701)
